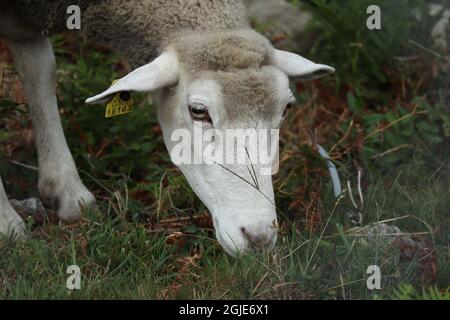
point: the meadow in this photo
(384, 116)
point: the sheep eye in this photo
(199, 112)
(289, 106)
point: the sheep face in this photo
(221, 130)
(220, 104)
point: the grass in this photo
(151, 238)
(120, 259)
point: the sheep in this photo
(206, 68)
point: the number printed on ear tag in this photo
(122, 103)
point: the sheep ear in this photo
(297, 67)
(160, 73)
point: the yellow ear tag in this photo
(121, 104)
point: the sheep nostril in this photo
(256, 242)
(247, 236)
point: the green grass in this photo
(121, 259)
(401, 142)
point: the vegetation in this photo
(385, 114)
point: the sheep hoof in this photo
(11, 224)
(68, 199)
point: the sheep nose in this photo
(261, 239)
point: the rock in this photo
(380, 232)
(32, 207)
(280, 21)
(407, 247)
(439, 32)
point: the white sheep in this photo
(208, 70)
